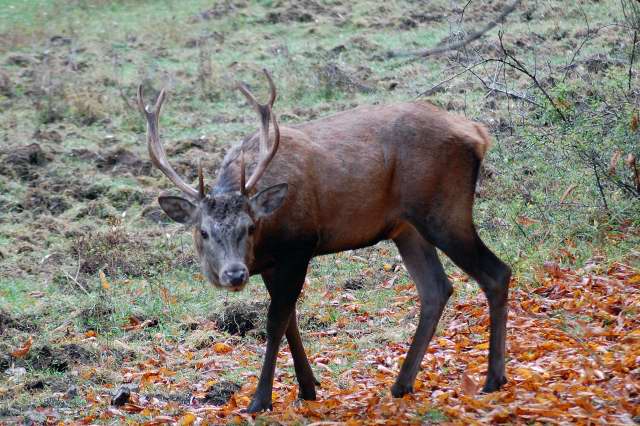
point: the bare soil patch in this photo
(23, 162)
(241, 318)
(121, 161)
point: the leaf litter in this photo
(573, 357)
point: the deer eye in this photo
(204, 234)
(252, 229)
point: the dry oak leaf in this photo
(469, 386)
(24, 350)
(222, 348)
(187, 420)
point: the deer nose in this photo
(236, 276)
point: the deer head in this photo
(225, 225)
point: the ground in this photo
(104, 317)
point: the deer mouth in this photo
(236, 288)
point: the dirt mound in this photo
(240, 318)
(47, 135)
(122, 161)
(155, 214)
(180, 147)
(356, 283)
(220, 10)
(19, 60)
(334, 78)
(220, 393)
(118, 252)
(23, 161)
(39, 201)
(6, 88)
(59, 358)
(304, 11)
(84, 154)
(9, 322)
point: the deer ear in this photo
(269, 200)
(178, 209)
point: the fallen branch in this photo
(453, 46)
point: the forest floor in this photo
(101, 301)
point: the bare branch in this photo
(513, 62)
(453, 46)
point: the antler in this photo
(266, 115)
(156, 150)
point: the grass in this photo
(73, 69)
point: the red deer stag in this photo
(404, 172)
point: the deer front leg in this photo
(284, 286)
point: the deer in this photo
(404, 172)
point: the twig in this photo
(513, 62)
(584, 41)
(453, 46)
(633, 55)
(74, 280)
(495, 87)
(599, 184)
(464, 10)
(448, 79)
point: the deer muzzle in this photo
(234, 276)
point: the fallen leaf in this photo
(103, 280)
(613, 163)
(526, 221)
(222, 348)
(469, 386)
(24, 350)
(187, 420)
(553, 269)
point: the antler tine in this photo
(242, 175)
(265, 160)
(141, 106)
(266, 116)
(272, 87)
(201, 191)
(250, 98)
(156, 150)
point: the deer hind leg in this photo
(459, 240)
(434, 289)
(304, 373)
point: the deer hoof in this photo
(257, 406)
(493, 384)
(307, 395)
(399, 390)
